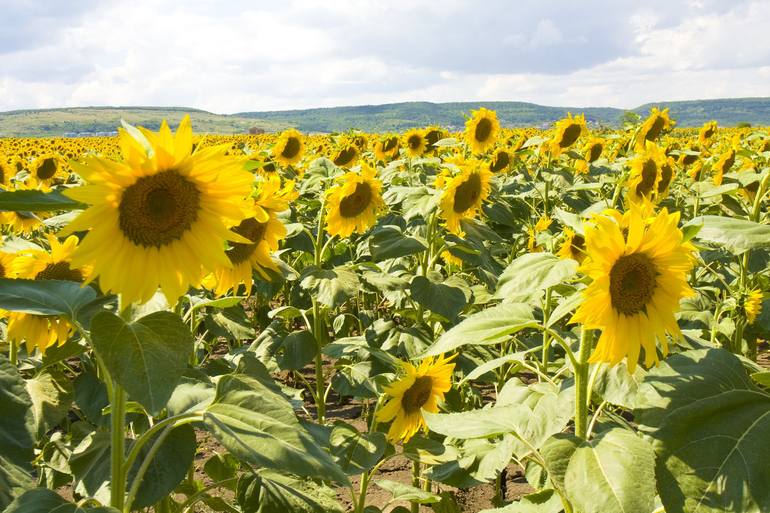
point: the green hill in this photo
(394, 117)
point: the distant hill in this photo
(394, 117)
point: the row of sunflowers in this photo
(584, 306)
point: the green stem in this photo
(415, 507)
(320, 399)
(117, 447)
(13, 352)
(582, 396)
(142, 470)
(361, 503)
(145, 437)
(190, 502)
(546, 357)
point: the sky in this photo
(238, 56)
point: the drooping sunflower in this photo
(752, 305)
(573, 246)
(386, 149)
(43, 331)
(354, 202)
(591, 152)
(481, 130)
(723, 165)
(667, 175)
(264, 230)
(346, 155)
(289, 147)
(653, 127)
(433, 135)
(566, 133)
(415, 142)
(639, 263)
(464, 193)
(501, 161)
(707, 133)
(646, 173)
(420, 388)
(159, 217)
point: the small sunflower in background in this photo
(415, 142)
(386, 148)
(43, 331)
(566, 133)
(433, 135)
(463, 193)
(646, 174)
(161, 216)
(7, 171)
(656, 123)
(289, 148)
(22, 222)
(591, 152)
(707, 133)
(573, 246)
(420, 388)
(346, 155)
(501, 161)
(723, 165)
(639, 263)
(354, 202)
(46, 171)
(542, 225)
(481, 130)
(752, 305)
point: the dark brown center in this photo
(502, 159)
(632, 283)
(483, 130)
(47, 168)
(655, 128)
(596, 152)
(355, 203)
(649, 174)
(254, 231)
(414, 141)
(467, 193)
(570, 135)
(344, 157)
(59, 271)
(291, 149)
(417, 395)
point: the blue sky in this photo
(251, 55)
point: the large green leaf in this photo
(617, 386)
(52, 394)
(405, 492)
(258, 425)
(42, 500)
(45, 297)
(17, 429)
(270, 492)
(710, 427)
(356, 452)
(490, 326)
(146, 357)
(390, 242)
(444, 298)
(90, 465)
(530, 274)
(613, 472)
(298, 349)
(331, 287)
(736, 235)
(36, 201)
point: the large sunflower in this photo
(639, 264)
(160, 217)
(646, 174)
(264, 230)
(420, 388)
(481, 130)
(653, 127)
(415, 142)
(42, 331)
(386, 149)
(566, 133)
(354, 202)
(464, 193)
(289, 147)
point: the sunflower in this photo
(47, 170)
(653, 127)
(346, 156)
(43, 331)
(689, 157)
(464, 193)
(639, 264)
(667, 175)
(573, 246)
(386, 149)
(752, 305)
(415, 142)
(501, 161)
(481, 130)
(542, 225)
(264, 230)
(591, 152)
(420, 388)
(289, 147)
(567, 132)
(160, 217)
(646, 173)
(7, 171)
(723, 165)
(707, 133)
(433, 135)
(354, 202)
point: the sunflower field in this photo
(498, 320)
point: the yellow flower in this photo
(420, 388)
(501, 161)
(42, 331)
(591, 152)
(481, 130)
(7, 171)
(386, 149)
(464, 193)
(639, 264)
(542, 225)
(289, 148)
(567, 132)
(646, 174)
(573, 246)
(707, 133)
(653, 127)
(415, 142)
(160, 217)
(723, 165)
(346, 155)
(354, 202)
(752, 305)
(46, 171)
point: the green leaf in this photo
(763, 378)
(258, 426)
(299, 348)
(488, 327)
(497, 420)
(356, 452)
(493, 364)
(42, 500)
(736, 235)
(90, 465)
(441, 298)
(557, 451)
(17, 423)
(270, 492)
(613, 472)
(710, 425)
(617, 386)
(36, 201)
(167, 468)
(404, 492)
(45, 297)
(14, 480)
(390, 242)
(52, 394)
(530, 274)
(544, 501)
(146, 357)
(331, 287)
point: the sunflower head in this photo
(481, 130)
(354, 202)
(707, 133)
(723, 165)
(415, 143)
(566, 133)
(573, 246)
(433, 135)
(639, 263)
(752, 305)
(346, 155)
(289, 148)
(386, 149)
(419, 388)
(501, 161)
(464, 193)
(656, 123)
(646, 174)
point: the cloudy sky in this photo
(248, 55)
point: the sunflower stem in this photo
(117, 447)
(415, 507)
(320, 396)
(582, 394)
(13, 353)
(546, 357)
